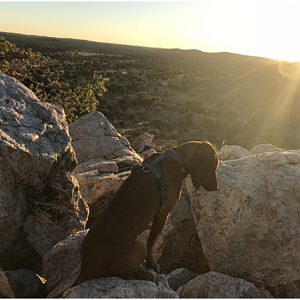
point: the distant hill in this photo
(23, 40)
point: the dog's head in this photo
(202, 165)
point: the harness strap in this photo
(151, 167)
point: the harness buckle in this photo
(146, 170)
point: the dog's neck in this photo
(181, 154)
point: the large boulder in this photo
(215, 285)
(114, 287)
(40, 203)
(250, 229)
(61, 265)
(105, 160)
(94, 137)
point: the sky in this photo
(268, 28)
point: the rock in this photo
(127, 162)
(21, 284)
(250, 229)
(94, 137)
(6, 290)
(232, 152)
(180, 277)
(114, 287)
(148, 274)
(215, 285)
(179, 246)
(142, 145)
(40, 203)
(143, 141)
(100, 164)
(291, 290)
(265, 148)
(61, 265)
(105, 160)
(98, 189)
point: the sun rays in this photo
(266, 100)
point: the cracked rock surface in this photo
(94, 137)
(250, 229)
(216, 285)
(105, 160)
(114, 287)
(40, 203)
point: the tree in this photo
(89, 96)
(158, 109)
(158, 122)
(22, 64)
(34, 70)
(123, 90)
(174, 107)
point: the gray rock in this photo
(232, 152)
(98, 189)
(105, 160)
(143, 141)
(61, 265)
(180, 277)
(148, 274)
(100, 164)
(142, 145)
(259, 149)
(21, 284)
(39, 199)
(215, 285)
(250, 229)
(95, 185)
(291, 290)
(114, 287)
(94, 137)
(127, 162)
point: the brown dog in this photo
(110, 248)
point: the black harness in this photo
(152, 167)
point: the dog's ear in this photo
(210, 182)
(203, 168)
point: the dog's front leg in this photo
(157, 226)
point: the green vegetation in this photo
(89, 96)
(33, 69)
(175, 94)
